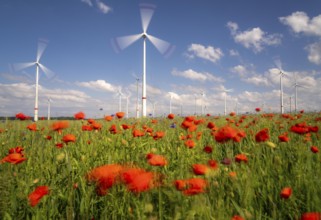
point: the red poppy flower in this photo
(79, 115)
(69, 138)
(96, 126)
(232, 114)
(156, 160)
(158, 135)
(227, 133)
(59, 145)
(195, 186)
(32, 127)
(257, 109)
(129, 174)
(200, 169)
(13, 158)
(171, 116)
(48, 137)
(37, 194)
(180, 184)
(21, 116)
(113, 129)
(237, 217)
(125, 126)
(105, 176)
(120, 114)
(286, 192)
(284, 137)
(262, 135)
(241, 158)
(108, 118)
(314, 149)
(90, 120)
(17, 149)
(208, 149)
(86, 128)
(311, 216)
(138, 133)
(141, 182)
(189, 143)
(213, 164)
(300, 128)
(211, 125)
(59, 126)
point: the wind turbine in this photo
(137, 108)
(120, 43)
(281, 73)
(225, 94)
(42, 44)
(120, 94)
(296, 85)
(49, 101)
(127, 103)
(202, 100)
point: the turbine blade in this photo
(278, 64)
(21, 66)
(162, 46)
(121, 43)
(146, 13)
(42, 44)
(47, 71)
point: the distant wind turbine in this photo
(42, 44)
(281, 73)
(137, 108)
(296, 85)
(120, 43)
(202, 104)
(120, 94)
(49, 101)
(225, 94)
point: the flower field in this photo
(262, 166)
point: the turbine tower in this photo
(296, 85)
(48, 116)
(42, 44)
(281, 73)
(120, 43)
(225, 94)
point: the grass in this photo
(253, 194)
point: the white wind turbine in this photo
(281, 73)
(42, 44)
(137, 94)
(127, 103)
(49, 102)
(120, 43)
(225, 95)
(296, 85)
(120, 94)
(202, 101)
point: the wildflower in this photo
(211, 125)
(21, 116)
(113, 129)
(105, 177)
(141, 182)
(138, 133)
(108, 118)
(158, 135)
(284, 137)
(262, 135)
(257, 109)
(226, 161)
(32, 127)
(232, 114)
(37, 194)
(195, 186)
(48, 137)
(213, 164)
(286, 192)
(59, 145)
(69, 138)
(156, 160)
(190, 143)
(79, 116)
(120, 115)
(180, 184)
(125, 126)
(311, 216)
(227, 133)
(86, 128)
(237, 217)
(314, 149)
(59, 126)
(129, 174)
(241, 158)
(232, 174)
(13, 158)
(96, 126)
(208, 149)
(171, 116)
(200, 169)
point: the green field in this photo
(249, 186)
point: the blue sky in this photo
(238, 45)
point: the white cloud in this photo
(88, 2)
(208, 53)
(240, 70)
(193, 75)
(257, 80)
(234, 53)
(254, 39)
(314, 51)
(98, 85)
(103, 7)
(300, 22)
